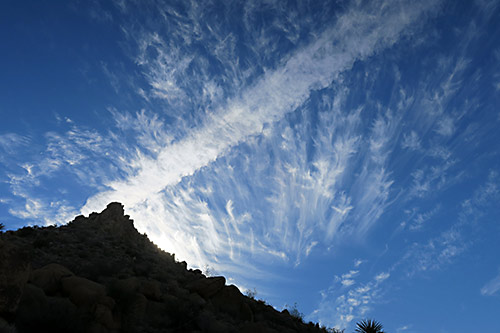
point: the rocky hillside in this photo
(98, 274)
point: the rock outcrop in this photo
(98, 274)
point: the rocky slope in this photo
(98, 274)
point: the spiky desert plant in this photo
(369, 326)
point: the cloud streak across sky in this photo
(357, 34)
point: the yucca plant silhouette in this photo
(369, 326)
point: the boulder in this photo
(126, 286)
(82, 292)
(104, 316)
(207, 288)
(107, 301)
(134, 310)
(40, 313)
(32, 308)
(232, 301)
(62, 315)
(48, 278)
(196, 300)
(157, 314)
(207, 322)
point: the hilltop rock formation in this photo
(98, 274)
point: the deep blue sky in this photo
(344, 156)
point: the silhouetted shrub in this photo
(294, 312)
(251, 293)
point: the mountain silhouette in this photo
(99, 274)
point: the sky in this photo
(340, 155)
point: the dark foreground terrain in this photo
(98, 274)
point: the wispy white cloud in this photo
(429, 179)
(373, 184)
(496, 76)
(40, 211)
(306, 192)
(382, 276)
(436, 253)
(358, 262)
(340, 304)
(403, 328)
(347, 279)
(347, 282)
(437, 124)
(411, 141)
(417, 220)
(442, 249)
(76, 147)
(445, 126)
(97, 12)
(79, 153)
(148, 129)
(440, 152)
(487, 7)
(491, 287)
(10, 142)
(474, 207)
(166, 69)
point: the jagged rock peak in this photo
(113, 212)
(111, 220)
(115, 208)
